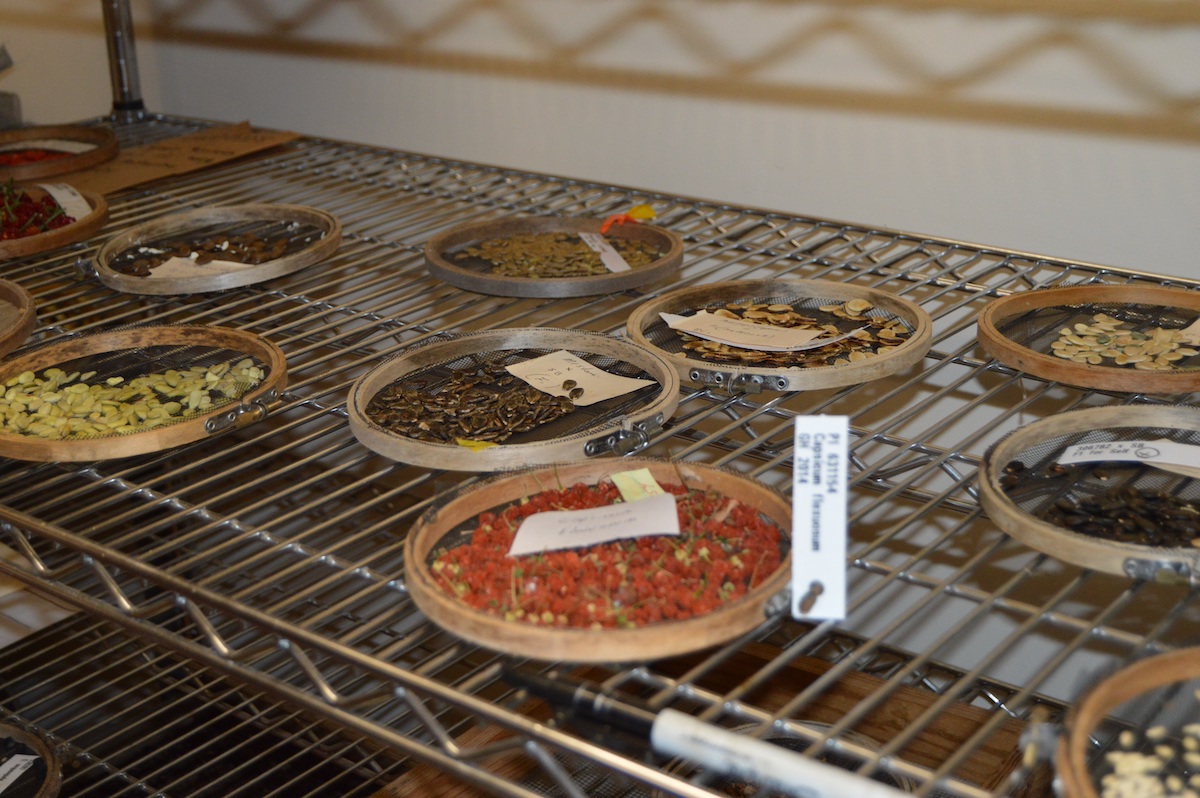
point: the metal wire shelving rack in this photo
(271, 557)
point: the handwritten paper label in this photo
(611, 259)
(1192, 332)
(819, 469)
(72, 202)
(54, 145)
(12, 768)
(561, 373)
(570, 529)
(637, 484)
(1180, 458)
(748, 335)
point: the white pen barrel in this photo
(740, 756)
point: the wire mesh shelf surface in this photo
(273, 554)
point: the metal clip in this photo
(778, 604)
(737, 384)
(243, 415)
(85, 268)
(632, 437)
(1164, 573)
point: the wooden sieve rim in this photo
(103, 141)
(665, 639)
(505, 456)
(1084, 375)
(482, 282)
(25, 447)
(909, 353)
(51, 239)
(1109, 556)
(1108, 695)
(180, 223)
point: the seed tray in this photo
(619, 425)
(1035, 499)
(305, 235)
(445, 524)
(78, 230)
(646, 327)
(88, 146)
(18, 315)
(446, 259)
(137, 351)
(42, 776)
(1020, 330)
(1161, 695)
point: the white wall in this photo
(1059, 127)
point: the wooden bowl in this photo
(1112, 556)
(178, 225)
(249, 407)
(78, 230)
(18, 316)
(1030, 356)
(88, 146)
(654, 641)
(647, 328)
(622, 430)
(440, 258)
(1075, 748)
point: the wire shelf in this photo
(272, 555)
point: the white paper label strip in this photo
(176, 266)
(1180, 458)
(819, 470)
(72, 201)
(611, 259)
(549, 372)
(13, 767)
(743, 757)
(747, 334)
(570, 529)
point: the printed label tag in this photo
(1179, 458)
(611, 259)
(638, 484)
(747, 334)
(819, 470)
(559, 373)
(570, 529)
(72, 201)
(12, 768)
(54, 145)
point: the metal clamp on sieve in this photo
(243, 415)
(627, 440)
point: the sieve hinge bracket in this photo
(243, 415)
(632, 437)
(739, 383)
(1164, 572)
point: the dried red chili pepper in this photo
(725, 550)
(29, 155)
(22, 214)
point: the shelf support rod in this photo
(122, 61)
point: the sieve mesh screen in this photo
(1037, 329)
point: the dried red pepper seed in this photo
(627, 583)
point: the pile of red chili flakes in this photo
(724, 550)
(21, 214)
(29, 155)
